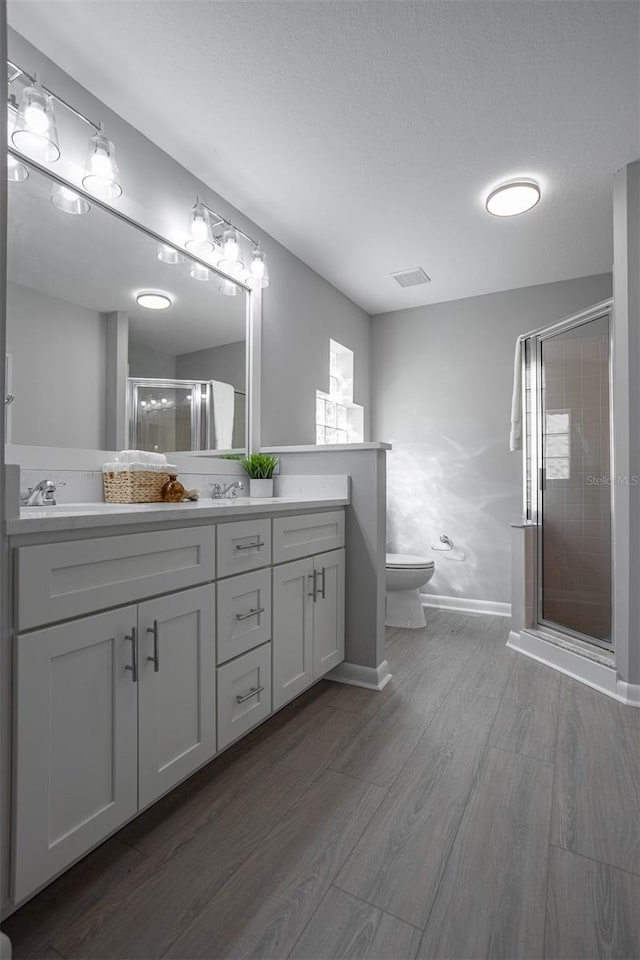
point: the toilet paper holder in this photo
(448, 544)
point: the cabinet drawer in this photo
(242, 546)
(295, 537)
(244, 694)
(244, 613)
(58, 581)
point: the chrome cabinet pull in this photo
(324, 583)
(314, 576)
(133, 666)
(155, 659)
(250, 546)
(252, 613)
(252, 693)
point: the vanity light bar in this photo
(17, 71)
(223, 220)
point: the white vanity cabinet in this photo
(111, 712)
(76, 742)
(308, 601)
(138, 657)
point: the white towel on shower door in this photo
(515, 436)
(223, 409)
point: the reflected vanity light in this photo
(198, 272)
(228, 289)
(169, 254)
(510, 199)
(68, 200)
(153, 301)
(35, 130)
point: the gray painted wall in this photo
(443, 381)
(301, 311)
(146, 362)
(226, 363)
(59, 401)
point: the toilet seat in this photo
(404, 561)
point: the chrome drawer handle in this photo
(252, 693)
(324, 594)
(155, 659)
(250, 546)
(133, 666)
(252, 613)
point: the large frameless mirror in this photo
(115, 340)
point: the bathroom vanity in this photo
(149, 638)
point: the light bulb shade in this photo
(169, 254)
(230, 245)
(16, 171)
(35, 130)
(101, 174)
(233, 267)
(199, 231)
(228, 289)
(198, 272)
(258, 263)
(68, 200)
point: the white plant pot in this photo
(261, 488)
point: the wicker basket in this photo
(133, 486)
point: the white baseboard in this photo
(373, 678)
(629, 693)
(493, 607)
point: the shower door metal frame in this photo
(533, 452)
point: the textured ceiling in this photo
(364, 134)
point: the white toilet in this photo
(405, 575)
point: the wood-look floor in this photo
(480, 806)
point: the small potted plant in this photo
(260, 467)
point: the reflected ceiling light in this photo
(153, 301)
(228, 289)
(255, 284)
(35, 130)
(199, 241)
(510, 199)
(198, 272)
(68, 200)
(169, 254)
(102, 176)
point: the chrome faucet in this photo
(40, 496)
(225, 491)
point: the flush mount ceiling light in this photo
(510, 199)
(102, 176)
(68, 200)
(153, 301)
(35, 129)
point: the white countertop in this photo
(80, 516)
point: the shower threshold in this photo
(581, 661)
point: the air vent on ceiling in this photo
(411, 278)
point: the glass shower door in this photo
(574, 495)
(166, 415)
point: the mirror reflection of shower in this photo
(166, 415)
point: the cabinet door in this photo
(176, 715)
(76, 742)
(244, 694)
(292, 637)
(244, 613)
(328, 612)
